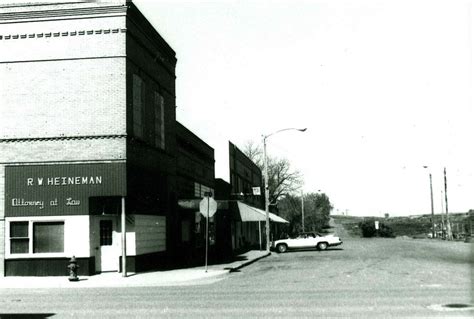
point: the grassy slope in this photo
(402, 226)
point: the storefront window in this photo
(19, 239)
(48, 237)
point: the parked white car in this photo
(307, 240)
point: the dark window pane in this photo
(48, 237)
(106, 233)
(19, 246)
(18, 229)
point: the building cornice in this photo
(35, 13)
(73, 33)
(60, 138)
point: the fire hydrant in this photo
(73, 267)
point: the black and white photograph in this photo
(236, 159)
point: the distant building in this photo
(246, 186)
(245, 178)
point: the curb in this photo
(222, 272)
(242, 265)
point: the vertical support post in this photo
(442, 214)
(432, 208)
(260, 233)
(448, 224)
(267, 195)
(302, 210)
(124, 240)
(207, 232)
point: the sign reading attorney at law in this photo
(45, 190)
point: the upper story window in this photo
(201, 190)
(159, 119)
(138, 103)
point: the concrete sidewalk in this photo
(177, 277)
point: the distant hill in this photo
(413, 226)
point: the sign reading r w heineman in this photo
(64, 181)
(65, 189)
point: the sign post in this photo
(207, 207)
(124, 239)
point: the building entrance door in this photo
(108, 252)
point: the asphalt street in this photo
(364, 278)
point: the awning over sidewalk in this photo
(246, 212)
(249, 213)
(277, 219)
(253, 214)
(194, 204)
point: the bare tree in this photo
(281, 178)
(254, 152)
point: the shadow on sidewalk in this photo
(199, 260)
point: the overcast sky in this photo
(383, 86)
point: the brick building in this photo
(245, 176)
(195, 178)
(87, 98)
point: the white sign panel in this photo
(208, 206)
(256, 190)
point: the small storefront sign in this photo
(65, 189)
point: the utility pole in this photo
(302, 211)
(448, 224)
(124, 239)
(432, 208)
(442, 213)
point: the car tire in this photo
(281, 248)
(322, 246)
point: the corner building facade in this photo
(87, 130)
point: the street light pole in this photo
(267, 196)
(432, 207)
(267, 190)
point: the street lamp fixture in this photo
(267, 191)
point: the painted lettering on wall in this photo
(22, 202)
(72, 202)
(64, 181)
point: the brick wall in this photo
(62, 98)
(63, 78)
(63, 39)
